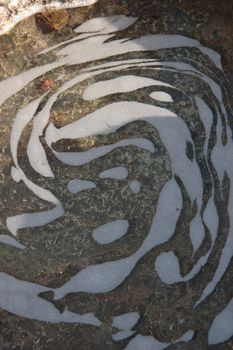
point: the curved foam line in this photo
(80, 158)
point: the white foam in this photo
(76, 185)
(12, 85)
(172, 130)
(197, 232)
(6, 239)
(167, 213)
(141, 342)
(219, 154)
(111, 231)
(118, 173)
(80, 158)
(206, 116)
(168, 268)
(161, 96)
(23, 117)
(227, 251)
(14, 223)
(135, 186)
(100, 278)
(48, 49)
(122, 64)
(105, 24)
(104, 277)
(126, 321)
(187, 68)
(37, 156)
(187, 336)
(211, 219)
(213, 55)
(108, 119)
(121, 84)
(174, 134)
(122, 335)
(78, 52)
(146, 343)
(39, 218)
(222, 327)
(225, 165)
(21, 298)
(15, 174)
(35, 151)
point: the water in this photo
(120, 215)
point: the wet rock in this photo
(47, 84)
(52, 20)
(14, 10)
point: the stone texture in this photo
(12, 11)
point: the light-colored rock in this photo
(13, 11)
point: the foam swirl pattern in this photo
(129, 161)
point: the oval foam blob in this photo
(161, 96)
(118, 173)
(76, 185)
(111, 231)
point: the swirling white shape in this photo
(172, 130)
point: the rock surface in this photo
(12, 11)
